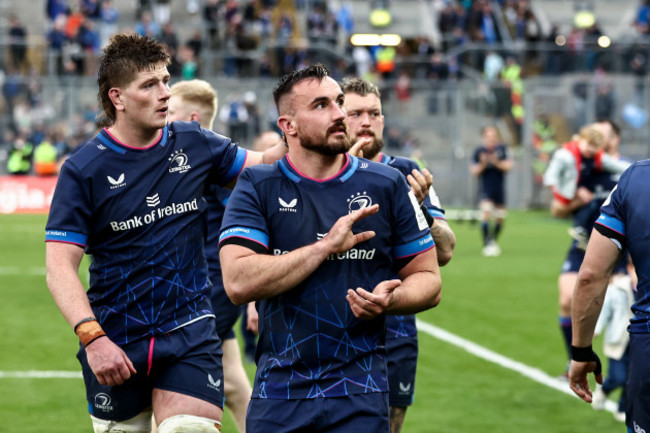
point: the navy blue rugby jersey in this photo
(624, 219)
(404, 326)
(140, 214)
(310, 344)
(601, 183)
(217, 198)
(491, 177)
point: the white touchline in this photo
(19, 270)
(38, 374)
(530, 372)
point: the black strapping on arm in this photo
(612, 234)
(247, 243)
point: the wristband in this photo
(89, 330)
(87, 319)
(586, 354)
(427, 215)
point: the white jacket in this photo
(563, 171)
(615, 316)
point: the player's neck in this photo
(133, 136)
(314, 165)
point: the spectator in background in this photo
(169, 38)
(17, 42)
(438, 69)
(146, 26)
(161, 11)
(108, 19)
(20, 156)
(212, 11)
(188, 63)
(90, 8)
(284, 31)
(45, 158)
(54, 8)
(493, 66)
(234, 115)
(451, 23)
(642, 21)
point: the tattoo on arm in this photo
(443, 236)
(397, 415)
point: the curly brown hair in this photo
(122, 59)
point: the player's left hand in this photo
(578, 382)
(357, 148)
(252, 321)
(367, 305)
(420, 183)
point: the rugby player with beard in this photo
(326, 243)
(366, 122)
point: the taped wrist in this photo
(586, 354)
(427, 215)
(88, 330)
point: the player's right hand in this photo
(340, 237)
(109, 362)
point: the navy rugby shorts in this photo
(186, 360)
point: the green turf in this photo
(507, 304)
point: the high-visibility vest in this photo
(19, 160)
(45, 159)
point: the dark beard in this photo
(327, 147)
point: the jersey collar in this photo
(348, 169)
(108, 140)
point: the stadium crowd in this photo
(265, 38)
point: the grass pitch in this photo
(507, 304)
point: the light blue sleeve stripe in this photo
(436, 213)
(246, 233)
(611, 223)
(412, 248)
(68, 237)
(236, 166)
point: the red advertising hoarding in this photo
(26, 194)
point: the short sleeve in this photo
(70, 212)
(244, 222)
(228, 158)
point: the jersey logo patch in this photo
(214, 384)
(288, 207)
(153, 201)
(404, 388)
(116, 183)
(359, 201)
(178, 162)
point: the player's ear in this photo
(287, 126)
(115, 95)
(195, 117)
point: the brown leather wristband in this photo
(89, 331)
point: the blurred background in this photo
(538, 70)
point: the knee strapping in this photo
(189, 423)
(140, 423)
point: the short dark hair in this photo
(122, 59)
(615, 127)
(286, 82)
(360, 87)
